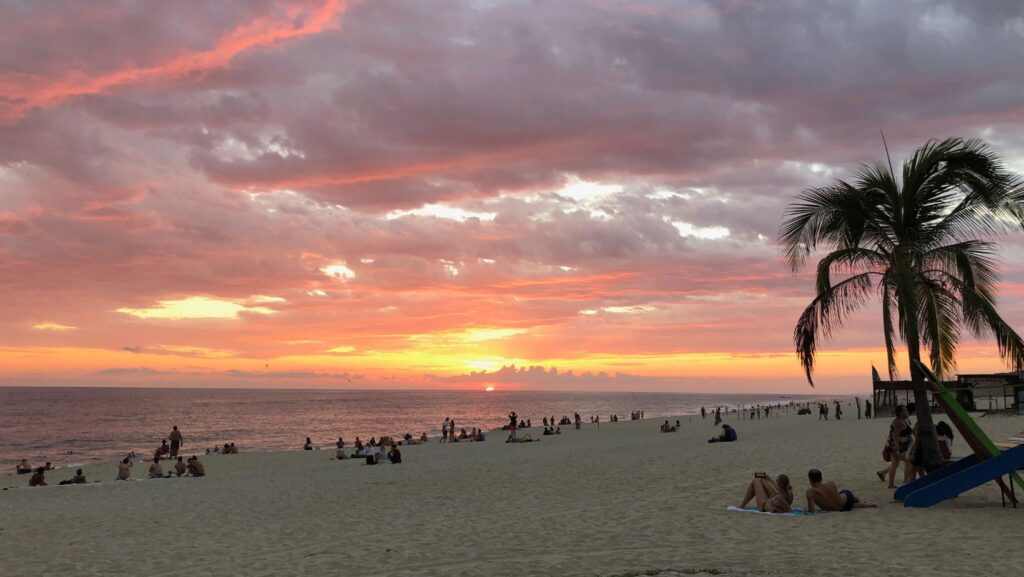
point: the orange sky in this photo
(390, 194)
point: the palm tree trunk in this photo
(926, 439)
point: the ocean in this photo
(76, 425)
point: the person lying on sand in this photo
(770, 496)
(526, 438)
(124, 469)
(825, 496)
(78, 479)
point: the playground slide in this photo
(967, 479)
(934, 477)
(982, 445)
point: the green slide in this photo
(957, 412)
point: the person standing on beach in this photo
(177, 441)
(839, 411)
(703, 413)
(718, 416)
(578, 419)
(444, 431)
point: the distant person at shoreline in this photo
(179, 467)
(770, 496)
(78, 479)
(124, 469)
(578, 420)
(23, 467)
(195, 468)
(703, 413)
(177, 441)
(825, 496)
(156, 471)
(38, 478)
(308, 446)
(728, 435)
(718, 416)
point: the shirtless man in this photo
(196, 468)
(124, 469)
(825, 496)
(179, 467)
(176, 441)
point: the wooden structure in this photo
(973, 392)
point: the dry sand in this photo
(620, 500)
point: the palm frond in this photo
(825, 314)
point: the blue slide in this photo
(967, 479)
(934, 477)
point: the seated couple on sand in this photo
(667, 428)
(777, 496)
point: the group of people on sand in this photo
(38, 478)
(901, 446)
(776, 495)
(227, 449)
(191, 467)
(565, 420)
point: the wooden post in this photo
(858, 407)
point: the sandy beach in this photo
(622, 499)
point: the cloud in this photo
(572, 183)
(51, 326)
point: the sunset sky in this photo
(409, 193)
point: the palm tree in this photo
(913, 239)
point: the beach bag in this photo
(887, 453)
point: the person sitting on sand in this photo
(163, 449)
(179, 467)
(667, 428)
(308, 446)
(78, 479)
(825, 496)
(124, 469)
(195, 468)
(728, 435)
(38, 478)
(423, 437)
(479, 436)
(558, 430)
(770, 496)
(23, 467)
(156, 471)
(394, 455)
(547, 431)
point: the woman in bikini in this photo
(770, 496)
(901, 434)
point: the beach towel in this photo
(793, 513)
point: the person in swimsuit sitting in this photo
(827, 497)
(770, 496)
(38, 478)
(526, 438)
